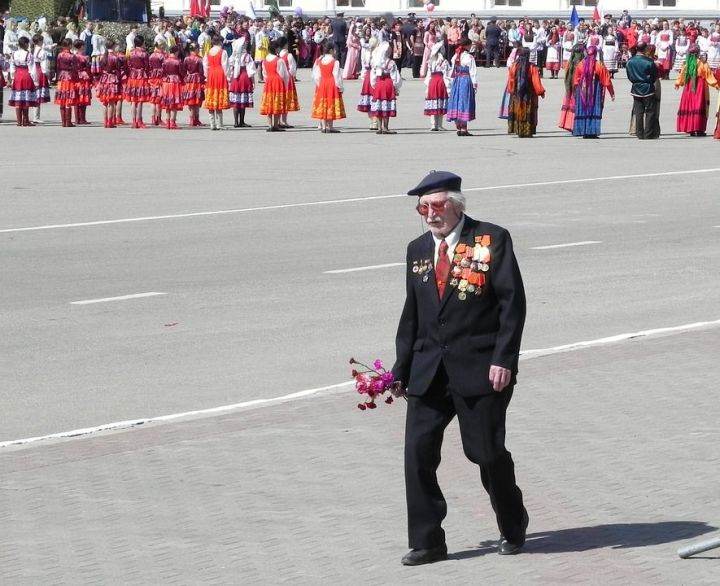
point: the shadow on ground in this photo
(616, 536)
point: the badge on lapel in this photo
(422, 267)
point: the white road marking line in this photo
(524, 355)
(348, 200)
(567, 245)
(367, 268)
(118, 298)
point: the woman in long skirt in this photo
(461, 105)
(352, 60)
(328, 104)
(591, 80)
(525, 87)
(505, 100)
(23, 74)
(365, 99)
(171, 99)
(274, 98)
(292, 104)
(217, 94)
(241, 85)
(194, 84)
(41, 70)
(437, 82)
(567, 110)
(695, 78)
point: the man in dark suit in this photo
(458, 344)
(339, 29)
(492, 45)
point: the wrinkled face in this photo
(440, 212)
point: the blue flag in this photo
(574, 18)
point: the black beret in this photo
(437, 181)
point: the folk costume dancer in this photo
(568, 42)
(458, 345)
(352, 61)
(437, 82)
(713, 53)
(123, 58)
(242, 85)
(155, 80)
(525, 87)
(262, 46)
(386, 82)
(695, 78)
(365, 100)
(109, 88)
(274, 98)
(567, 110)
(663, 51)
(552, 59)
(610, 54)
(23, 75)
(171, 93)
(504, 112)
(591, 80)
(292, 104)
(83, 84)
(682, 45)
(194, 84)
(429, 40)
(41, 70)
(99, 48)
(328, 104)
(4, 68)
(461, 105)
(66, 88)
(137, 87)
(217, 91)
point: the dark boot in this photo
(236, 115)
(19, 116)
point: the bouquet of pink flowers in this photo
(374, 381)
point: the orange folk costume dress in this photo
(217, 96)
(293, 104)
(328, 103)
(274, 98)
(137, 88)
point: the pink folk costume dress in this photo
(137, 88)
(171, 92)
(66, 88)
(155, 81)
(293, 104)
(83, 87)
(352, 60)
(328, 102)
(695, 78)
(429, 40)
(23, 96)
(194, 86)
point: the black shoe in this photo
(418, 557)
(506, 547)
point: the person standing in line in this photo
(524, 87)
(171, 99)
(242, 84)
(137, 88)
(642, 74)
(437, 82)
(567, 110)
(194, 84)
(83, 83)
(155, 80)
(292, 103)
(328, 104)
(66, 87)
(695, 78)
(457, 346)
(23, 75)
(591, 80)
(41, 70)
(217, 99)
(109, 88)
(461, 104)
(274, 98)
(365, 100)
(552, 53)
(386, 82)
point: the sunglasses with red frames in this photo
(437, 206)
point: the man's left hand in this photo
(499, 377)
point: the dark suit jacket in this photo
(339, 29)
(466, 335)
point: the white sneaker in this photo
(38, 121)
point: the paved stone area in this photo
(615, 449)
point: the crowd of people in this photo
(193, 63)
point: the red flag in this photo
(596, 14)
(194, 8)
(207, 9)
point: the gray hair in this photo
(458, 198)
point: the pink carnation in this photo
(378, 364)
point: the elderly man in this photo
(458, 344)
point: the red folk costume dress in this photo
(216, 86)
(109, 89)
(692, 113)
(293, 104)
(241, 86)
(23, 87)
(155, 76)
(41, 67)
(83, 84)
(194, 83)
(172, 83)
(137, 88)
(328, 103)
(274, 98)
(66, 87)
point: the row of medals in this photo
(463, 286)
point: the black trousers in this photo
(341, 53)
(647, 125)
(482, 429)
(416, 65)
(492, 55)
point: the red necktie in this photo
(442, 268)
